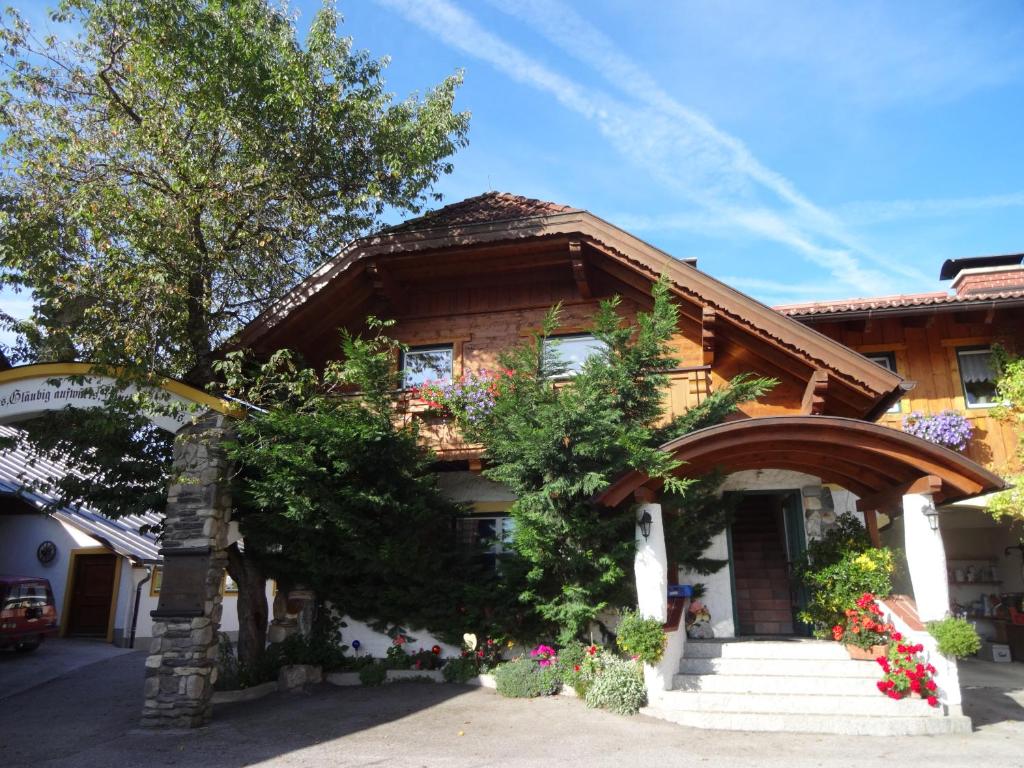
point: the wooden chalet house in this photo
(475, 277)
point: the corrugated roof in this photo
(904, 301)
(28, 481)
(482, 209)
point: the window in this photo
(493, 533)
(886, 360)
(565, 355)
(977, 376)
(157, 581)
(425, 364)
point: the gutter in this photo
(890, 400)
(135, 610)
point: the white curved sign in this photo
(30, 390)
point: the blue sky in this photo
(799, 150)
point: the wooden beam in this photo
(579, 269)
(384, 285)
(990, 316)
(871, 523)
(645, 495)
(708, 321)
(928, 484)
(813, 403)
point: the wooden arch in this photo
(877, 463)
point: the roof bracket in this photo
(815, 393)
(708, 321)
(579, 269)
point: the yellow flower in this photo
(865, 562)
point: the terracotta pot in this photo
(866, 654)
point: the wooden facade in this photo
(483, 283)
(924, 347)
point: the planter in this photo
(415, 675)
(866, 654)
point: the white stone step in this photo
(853, 725)
(778, 684)
(871, 703)
(780, 667)
(765, 649)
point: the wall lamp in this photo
(645, 524)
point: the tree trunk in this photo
(252, 605)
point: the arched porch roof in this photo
(877, 463)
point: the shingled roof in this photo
(912, 301)
(487, 208)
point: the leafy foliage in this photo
(1010, 391)
(619, 687)
(373, 674)
(956, 637)
(694, 516)
(524, 678)
(177, 162)
(838, 569)
(338, 496)
(640, 637)
(555, 441)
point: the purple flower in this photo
(949, 428)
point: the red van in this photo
(27, 612)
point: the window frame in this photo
(444, 346)
(972, 350)
(500, 545)
(559, 337)
(890, 358)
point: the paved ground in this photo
(88, 719)
(54, 658)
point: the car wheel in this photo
(27, 646)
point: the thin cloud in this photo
(678, 147)
(867, 213)
(567, 29)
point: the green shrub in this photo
(956, 637)
(461, 669)
(619, 687)
(373, 674)
(641, 637)
(526, 679)
(839, 568)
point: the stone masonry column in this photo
(926, 557)
(650, 565)
(181, 667)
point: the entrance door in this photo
(92, 595)
(760, 529)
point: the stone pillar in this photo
(650, 565)
(181, 667)
(926, 557)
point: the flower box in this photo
(866, 654)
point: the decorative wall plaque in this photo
(183, 589)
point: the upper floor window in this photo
(977, 376)
(565, 355)
(426, 364)
(886, 360)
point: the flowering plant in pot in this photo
(906, 673)
(863, 631)
(948, 429)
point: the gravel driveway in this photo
(89, 718)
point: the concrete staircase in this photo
(793, 685)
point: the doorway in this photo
(766, 535)
(92, 590)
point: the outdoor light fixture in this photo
(933, 516)
(645, 524)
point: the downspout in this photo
(135, 610)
